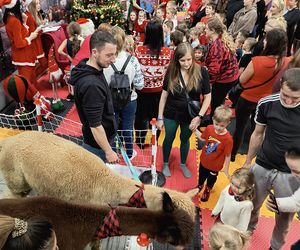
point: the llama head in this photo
(175, 226)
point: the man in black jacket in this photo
(93, 98)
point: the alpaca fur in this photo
(75, 225)
(55, 167)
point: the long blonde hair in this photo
(36, 15)
(120, 36)
(226, 237)
(173, 71)
(217, 26)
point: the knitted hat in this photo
(16, 87)
(8, 3)
(87, 26)
(54, 71)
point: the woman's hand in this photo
(160, 124)
(195, 123)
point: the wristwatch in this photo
(201, 116)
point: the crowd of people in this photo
(180, 72)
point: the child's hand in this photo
(198, 133)
(226, 173)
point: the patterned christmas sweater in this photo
(153, 68)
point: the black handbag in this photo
(193, 106)
(237, 89)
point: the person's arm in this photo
(255, 143)
(289, 204)
(101, 139)
(61, 49)
(135, 5)
(197, 120)
(225, 168)
(219, 206)
(247, 74)
(199, 135)
(138, 80)
(161, 108)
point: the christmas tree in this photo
(99, 11)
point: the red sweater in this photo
(221, 63)
(216, 148)
(36, 43)
(23, 53)
(153, 69)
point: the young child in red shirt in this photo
(216, 152)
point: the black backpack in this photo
(120, 87)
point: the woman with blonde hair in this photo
(136, 80)
(221, 62)
(225, 237)
(31, 234)
(184, 78)
(34, 21)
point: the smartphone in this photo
(272, 197)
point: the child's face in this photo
(209, 10)
(236, 188)
(198, 54)
(141, 15)
(166, 29)
(160, 14)
(220, 127)
(133, 16)
(246, 46)
(169, 15)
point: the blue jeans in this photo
(96, 151)
(127, 115)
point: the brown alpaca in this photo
(55, 167)
(75, 225)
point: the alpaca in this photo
(55, 167)
(75, 225)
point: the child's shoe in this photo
(166, 169)
(206, 194)
(185, 170)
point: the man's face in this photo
(288, 97)
(106, 56)
(294, 165)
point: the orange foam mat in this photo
(261, 236)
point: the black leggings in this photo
(147, 108)
(243, 111)
(209, 175)
(218, 94)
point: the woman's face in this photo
(248, 3)
(292, 4)
(275, 9)
(133, 16)
(208, 32)
(38, 5)
(186, 61)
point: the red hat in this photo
(81, 20)
(8, 3)
(16, 86)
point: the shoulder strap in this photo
(261, 84)
(184, 87)
(124, 66)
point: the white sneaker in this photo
(134, 154)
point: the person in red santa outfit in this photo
(34, 23)
(23, 53)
